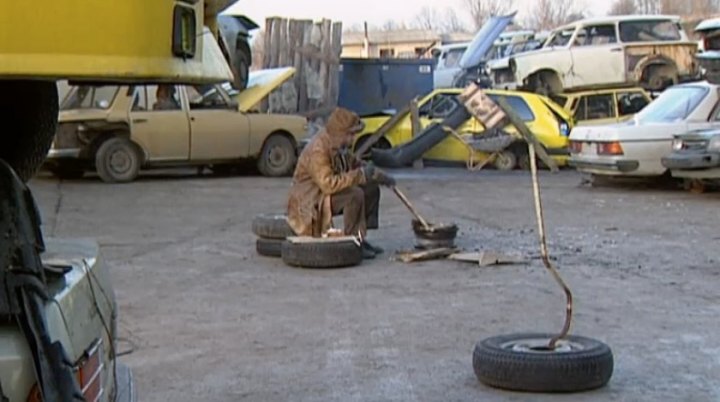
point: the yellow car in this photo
(550, 123)
(605, 106)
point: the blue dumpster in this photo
(372, 85)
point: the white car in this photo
(636, 148)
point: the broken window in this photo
(649, 31)
(517, 104)
(594, 107)
(90, 97)
(630, 102)
(452, 57)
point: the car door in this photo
(218, 130)
(159, 123)
(597, 56)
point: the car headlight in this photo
(677, 145)
(714, 144)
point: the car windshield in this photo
(674, 104)
(90, 97)
(649, 31)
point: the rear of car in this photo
(635, 148)
(695, 155)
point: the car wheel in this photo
(278, 156)
(67, 172)
(32, 107)
(269, 247)
(272, 226)
(117, 160)
(523, 362)
(321, 254)
(505, 160)
(241, 69)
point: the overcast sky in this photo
(375, 12)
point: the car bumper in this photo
(707, 174)
(125, 384)
(603, 166)
(692, 161)
(67, 153)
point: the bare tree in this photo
(427, 18)
(452, 22)
(548, 14)
(392, 25)
(623, 7)
(481, 10)
(688, 7)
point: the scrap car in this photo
(117, 130)
(603, 106)
(636, 148)
(651, 51)
(550, 123)
(695, 156)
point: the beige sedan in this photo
(117, 130)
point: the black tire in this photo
(322, 254)
(272, 226)
(67, 171)
(278, 156)
(32, 108)
(505, 160)
(578, 364)
(241, 69)
(382, 143)
(269, 247)
(117, 160)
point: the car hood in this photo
(484, 39)
(627, 131)
(72, 115)
(260, 84)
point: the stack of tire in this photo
(272, 231)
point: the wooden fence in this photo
(313, 48)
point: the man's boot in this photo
(367, 251)
(374, 249)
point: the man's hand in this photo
(384, 179)
(369, 171)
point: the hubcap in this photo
(540, 345)
(120, 162)
(277, 156)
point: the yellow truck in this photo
(58, 316)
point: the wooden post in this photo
(335, 68)
(416, 128)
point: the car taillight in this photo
(88, 372)
(575, 147)
(609, 148)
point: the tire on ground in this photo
(321, 254)
(272, 226)
(129, 163)
(586, 367)
(269, 247)
(32, 108)
(505, 160)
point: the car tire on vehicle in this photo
(522, 362)
(272, 226)
(278, 156)
(505, 160)
(117, 160)
(269, 247)
(32, 107)
(320, 254)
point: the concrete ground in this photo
(205, 318)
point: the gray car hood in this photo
(484, 40)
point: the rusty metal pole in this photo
(544, 248)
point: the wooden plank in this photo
(309, 239)
(282, 44)
(432, 254)
(324, 72)
(382, 130)
(416, 128)
(274, 49)
(487, 258)
(336, 46)
(267, 42)
(297, 37)
(302, 93)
